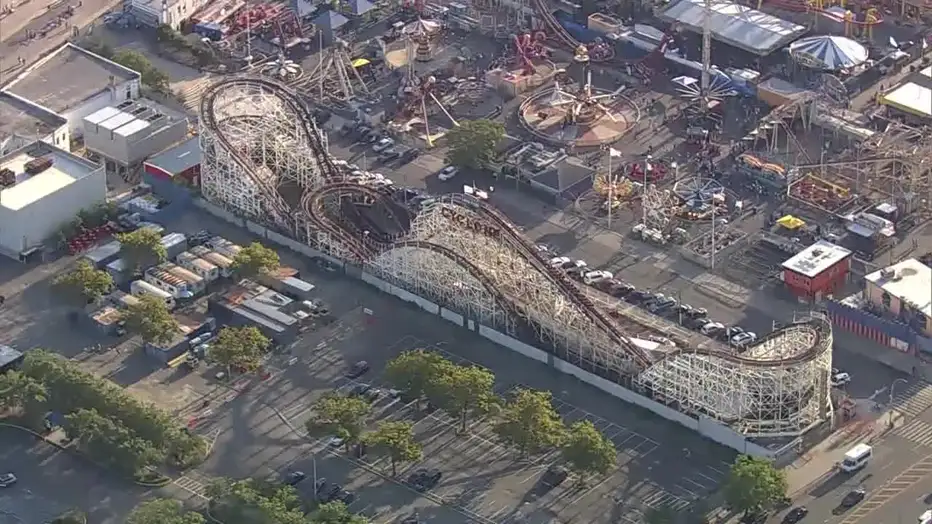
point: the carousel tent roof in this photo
(422, 27)
(831, 53)
(359, 7)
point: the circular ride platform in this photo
(594, 124)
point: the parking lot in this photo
(484, 478)
(52, 481)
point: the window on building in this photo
(886, 299)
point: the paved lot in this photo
(52, 481)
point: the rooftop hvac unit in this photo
(7, 177)
(37, 165)
(125, 104)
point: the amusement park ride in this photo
(583, 105)
(529, 48)
(335, 76)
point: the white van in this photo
(856, 458)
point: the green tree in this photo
(465, 391)
(587, 451)
(163, 511)
(754, 484)
(151, 76)
(254, 259)
(660, 515)
(530, 423)
(110, 442)
(255, 501)
(336, 513)
(141, 248)
(21, 392)
(84, 284)
(413, 372)
(395, 439)
(339, 416)
(151, 319)
(239, 347)
(472, 143)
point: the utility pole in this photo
(644, 192)
(706, 56)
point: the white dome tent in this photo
(828, 53)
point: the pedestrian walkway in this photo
(916, 431)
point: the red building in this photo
(817, 271)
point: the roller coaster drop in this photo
(263, 158)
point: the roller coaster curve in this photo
(802, 371)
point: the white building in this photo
(22, 123)
(172, 13)
(37, 205)
(72, 82)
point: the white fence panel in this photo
(512, 344)
(452, 316)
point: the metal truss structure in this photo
(264, 158)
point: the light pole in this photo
(893, 388)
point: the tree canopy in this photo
(20, 392)
(530, 424)
(413, 372)
(473, 142)
(254, 259)
(754, 484)
(241, 348)
(70, 517)
(586, 450)
(105, 418)
(163, 511)
(253, 501)
(396, 440)
(339, 416)
(151, 76)
(462, 391)
(151, 319)
(141, 248)
(84, 284)
(336, 513)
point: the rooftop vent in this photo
(37, 165)
(7, 177)
(155, 116)
(125, 104)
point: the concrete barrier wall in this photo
(452, 316)
(705, 426)
(512, 344)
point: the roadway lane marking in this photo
(192, 486)
(912, 402)
(916, 431)
(887, 492)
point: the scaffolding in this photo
(263, 158)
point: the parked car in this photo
(559, 261)
(593, 277)
(662, 305)
(554, 476)
(711, 329)
(447, 173)
(383, 144)
(840, 379)
(388, 155)
(294, 478)
(425, 479)
(7, 480)
(366, 392)
(358, 369)
(795, 515)
(410, 155)
(743, 340)
(623, 289)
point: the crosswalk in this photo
(913, 400)
(192, 486)
(916, 431)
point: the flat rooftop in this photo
(736, 25)
(178, 158)
(816, 258)
(910, 281)
(68, 77)
(913, 96)
(66, 168)
(21, 117)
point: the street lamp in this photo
(893, 388)
(676, 171)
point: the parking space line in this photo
(691, 481)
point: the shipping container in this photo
(103, 255)
(175, 244)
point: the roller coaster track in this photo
(365, 247)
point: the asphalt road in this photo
(52, 481)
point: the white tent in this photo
(828, 53)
